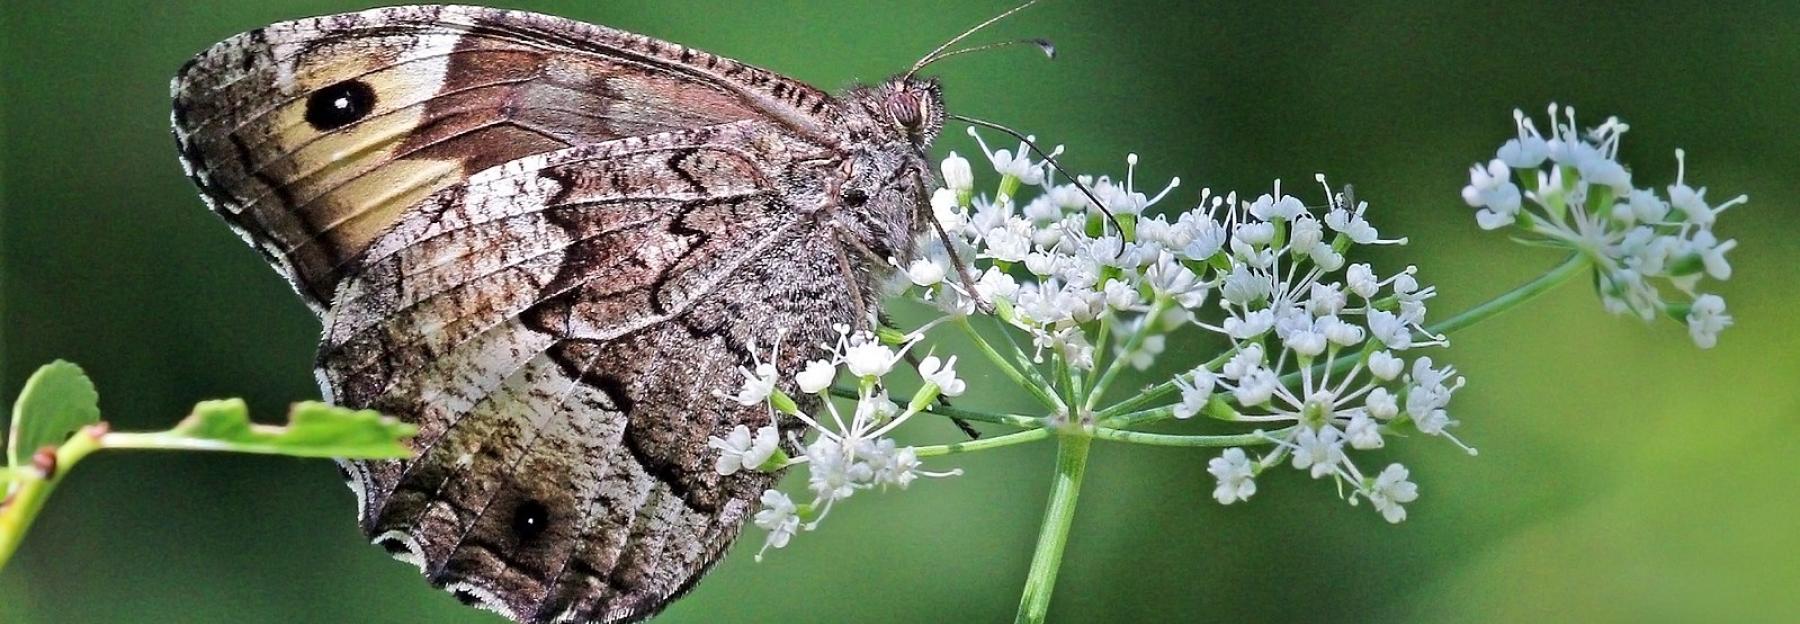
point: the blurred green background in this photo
(1624, 474)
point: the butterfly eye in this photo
(530, 519)
(339, 105)
(904, 108)
(854, 197)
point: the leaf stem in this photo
(28, 494)
(171, 441)
(1059, 514)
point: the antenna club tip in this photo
(1131, 159)
(1046, 45)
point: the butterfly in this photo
(551, 245)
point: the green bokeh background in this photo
(1624, 474)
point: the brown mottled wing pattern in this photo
(561, 329)
(549, 244)
(444, 92)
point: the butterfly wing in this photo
(311, 137)
(562, 329)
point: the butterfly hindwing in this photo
(311, 137)
(566, 380)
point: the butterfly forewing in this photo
(313, 136)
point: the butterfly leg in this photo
(857, 297)
(963, 273)
(913, 360)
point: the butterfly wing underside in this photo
(561, 328)
(311, 137)
(549, 244)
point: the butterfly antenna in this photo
(1043, 45)
(1053, 164)
(934, 55)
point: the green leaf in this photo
(57, 401)
(314, 430)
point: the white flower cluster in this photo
(1568, 189)
(1315, 346)
(849, 452)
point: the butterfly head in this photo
(913, 107)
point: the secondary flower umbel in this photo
(848, 453)
(1568, 189)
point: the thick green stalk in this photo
(1059, 514)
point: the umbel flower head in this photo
(1280, 333)
(1568, 189)
(1316, 348)
(1311, 356)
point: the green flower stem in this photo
(1029, 365)
(1013, 420)
(1071, 464)
(1192, 441)
(1141, 416)
(1035, 386)
(1021, 437)
(28, 494)
(1131, 346)
(1100, 337)
(1570, 267)
(1065, 380)
(1158, 391)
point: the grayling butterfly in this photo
(545, 243)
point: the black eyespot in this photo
(339, 105)
(530, 519)
(854, 197)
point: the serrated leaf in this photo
(314, 430)
(57, 401)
